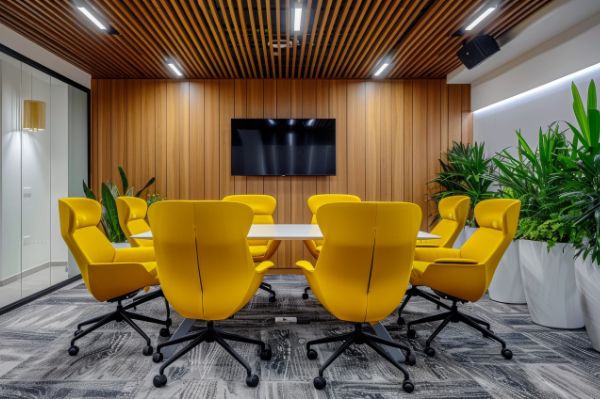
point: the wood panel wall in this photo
(390, 135)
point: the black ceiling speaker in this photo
(477, 49)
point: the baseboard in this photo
(30, 271)
(39, 294)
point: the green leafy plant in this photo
(110, 191)
(465, 170)
(583, 186)
(536, 178)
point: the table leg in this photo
(185, 327)
(382, 332)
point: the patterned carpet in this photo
(34, 362)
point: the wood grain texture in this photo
(390, 135)
(227, 39)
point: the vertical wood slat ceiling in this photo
(342, 39)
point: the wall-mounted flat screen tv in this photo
(283, 147)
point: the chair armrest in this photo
(111, 280)
(425, 244)
(458, 261)
(262, 267)
(431, 254)
(136, 254)
(305, 265)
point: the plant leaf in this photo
(88, 192)
(148, 184)
(124, 180)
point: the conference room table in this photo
(285, 232)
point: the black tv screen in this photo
(283, 147)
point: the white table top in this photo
(287, 232)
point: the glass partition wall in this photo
(44, 157)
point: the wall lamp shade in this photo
(34, 115)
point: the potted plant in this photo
(465, 170)
(584, 190)
(507, 284)
(110, 217)
(546, 236)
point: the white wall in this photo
(10, 220)
(29, 49)
(536, 91)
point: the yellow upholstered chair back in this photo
(263, 208)
(204, 264)
(453, 213)
(497, 220)
(363, 270)
(314, 203)
(132, 218)
(79, 219)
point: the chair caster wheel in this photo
(411, 359)
(507, 354)
(408, 386)
(305, 296)
(401, 321)
(160, 380)
(272, 298)
(73, 350)
(252, 380)
(157, 357)
(410, 333)
(164, 332)
(148, 350)
(429, 351)
(266, 353)
(312, 354)
(319, 382)
(77, 332)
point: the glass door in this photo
(44, 157)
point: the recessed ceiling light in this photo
(480, 18)
(174, 68)
(381, 69)
(92, 18)
(297, 19)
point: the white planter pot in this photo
(507, 284)
(549, 282)
(118, 245)
(464, 236)
(587, 277)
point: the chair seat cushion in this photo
(258, 250)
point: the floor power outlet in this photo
(286, 319)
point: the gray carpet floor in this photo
(34, 362)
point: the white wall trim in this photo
(29, 49)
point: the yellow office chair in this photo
(362, 271)
(206, 271)
(132, 219)
(463, 275)
(314, 202)
(453, 212)
(109, 274)
(263, 207)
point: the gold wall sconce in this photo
(34, 115)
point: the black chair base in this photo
(269, 288)
(415, 291)
(359, 336)
(455, 316)
(122, 314)
(209, 334)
